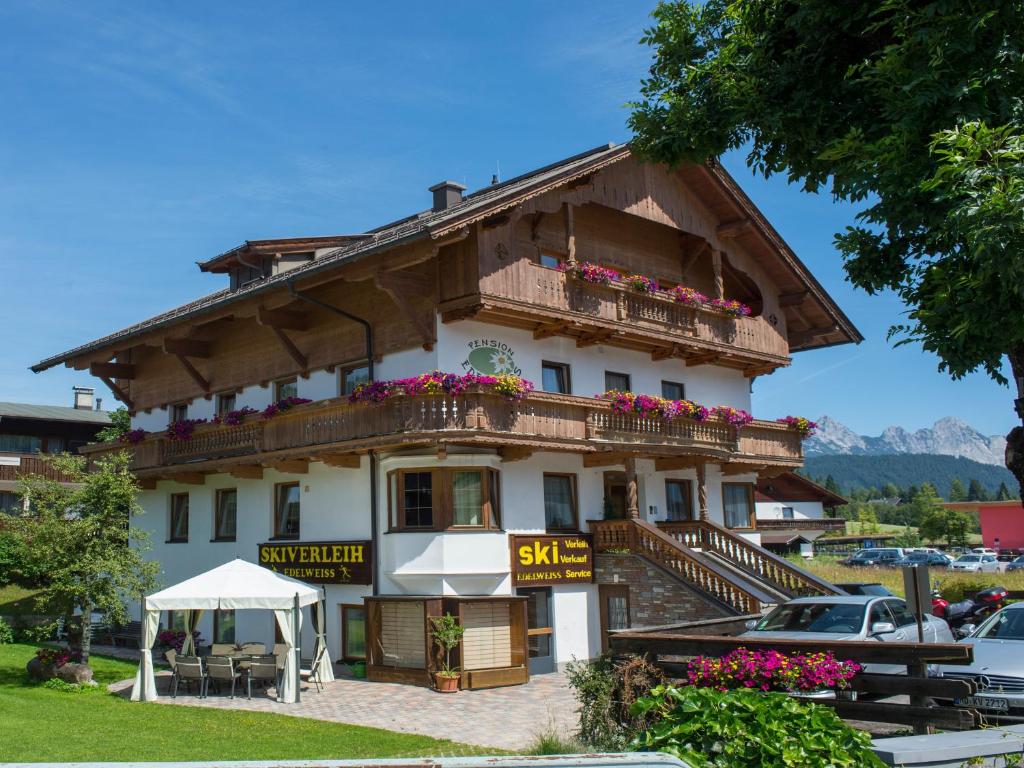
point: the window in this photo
(286, 511)
(787, 513)
(225, 403)
(179, 517)
(176, 621)
(619, 381)
(55, 445)
(286, 388)
(224, 626)
(225, 521)
(441, 498)
(901, 613)
(10, 503)
(673, 390)
(20, 444)
(738, 505)
(353, 632)
(177, 412)
(560, 502)
(352, 377)
(679, 500)
(552, 260)
(555, 378)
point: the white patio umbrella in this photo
(236, 585)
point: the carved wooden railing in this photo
(641, 538)
(29, 465)
(542, 419)
(763, 565)
(801, 524)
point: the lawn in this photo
(15, 600)
(38, 724)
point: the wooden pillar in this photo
(632, 492)
(716, 265)
(702, 491)
(570, 234)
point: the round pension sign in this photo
(490, 357)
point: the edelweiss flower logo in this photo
(501, 362)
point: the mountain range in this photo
(949, 436)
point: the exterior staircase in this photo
(726, 567)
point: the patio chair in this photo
(313, 673)
(263, 670)
(280, 651)
(254, 649)
(220, 669)
(187, 670)
(172, 659)
(222, 649)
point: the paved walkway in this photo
(506, 718)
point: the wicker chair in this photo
(172, 659)
(188, 669)
(262, 669)
(221, 669)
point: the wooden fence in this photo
(671, 651)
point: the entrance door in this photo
(614, 609)
(539, 634)
(615, 495)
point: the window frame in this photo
(217, 626)
(345, 371)
(173, 511)
(557, 256)
(626, 376)
(278, 383)
(751, 517)
(687, 495)
(219, 408)
(566, 371)
(682, 389)
(275, 535)
(443, 499)
(347, 608)
(788, 513)
(574, 492)
(177, 412)
(217, 511)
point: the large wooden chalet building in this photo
(543, 521)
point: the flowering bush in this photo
(233, 418)
(688, 296)
(438, 382)
(654, 406)
(804, 427)
(641, 283)
(771, 671)
(133, 436)
(591, 273)
(175, 638)
(281, 406)
(735, 416)
(57, 657)
(730, 307)
(182, 430)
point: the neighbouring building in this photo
(1002, 522)
(543, 520)
(793, 512)
(28, 432)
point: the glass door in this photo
(539, 633)
(614, 609)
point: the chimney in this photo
(447, 194)
(99, 403)
(83, 398)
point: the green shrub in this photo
(6, 633)
(56, 684)
(553, 742)
(736, 729)
(957, 590)
(32, 632)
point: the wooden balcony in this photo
(803, 524)
(13, 466)
(542, 421)
(552, 303)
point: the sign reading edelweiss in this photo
(321, 562)
(540, 561)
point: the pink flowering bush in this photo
(437, 383)
(771, 671)
(591, 273)
(804, 427)
(653, 406)
(133, 436)
(688, 296)
(282, 405)
(641, 283)
(175, 638)
(735, 416)
(57, 657)
(234, 418)
(730, 307)
(182, 430)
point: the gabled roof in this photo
(479, 205)
(52, 413)
(793, 487)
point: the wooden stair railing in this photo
(641, 538)
(763, 565)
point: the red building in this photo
(1002, 522)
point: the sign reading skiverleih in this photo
(321, 562)
(542, 561)
(490, 357)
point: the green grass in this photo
(37, 724)
(15, 600)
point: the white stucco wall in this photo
(802, 510)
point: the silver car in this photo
(998, 666)
(974, 563)
(850, 617)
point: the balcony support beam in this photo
(187, 347)
(515, 453)
(113, 370)
(119, 393)
(793, 299)
(570, 234)
(632, 489)
(547, 330)
(341, 460)
(604, 459)
(188, 478)
(246, 471)
(716, 266)
(401, 288)
(283, 319)
(702, 491)
(291, 466)
(293, 351)
(595, 337)
(194, 374)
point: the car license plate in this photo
(984, 702)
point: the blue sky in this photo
(139, 138)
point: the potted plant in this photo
(447, 633)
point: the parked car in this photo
(998, 666)
(1016, 565)
(1009, 555)
(984, 551)
(849, 617)
(975, 563)
(876, 556)
(924, 558)
(872, 588)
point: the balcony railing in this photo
(540, 421)
(804, 524)
(12, 467)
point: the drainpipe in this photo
(368, 331)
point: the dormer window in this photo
(243, 274)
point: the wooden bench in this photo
(128, 635)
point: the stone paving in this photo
(504, 718)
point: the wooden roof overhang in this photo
(793, 487)
(250, 249)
